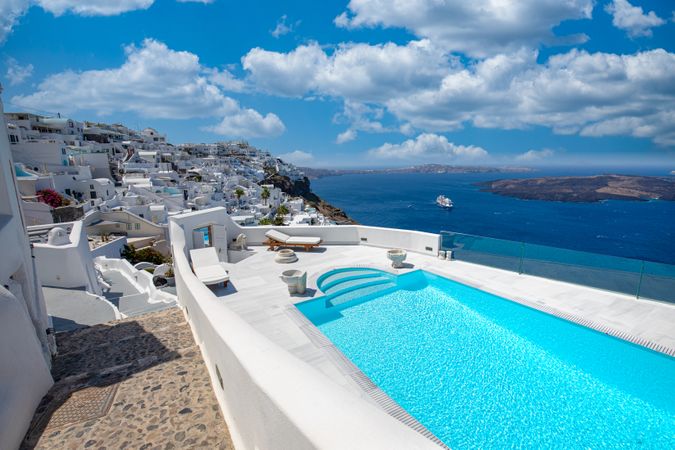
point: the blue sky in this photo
(361, 82)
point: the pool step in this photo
(362, 293)
(328, 279)
(357, 280)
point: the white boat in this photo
(444, 202)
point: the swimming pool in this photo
(480, 371)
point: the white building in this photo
(25, 346)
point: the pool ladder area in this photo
(344, 285)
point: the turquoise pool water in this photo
(480, 371)
(172, 190)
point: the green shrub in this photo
(143, 255)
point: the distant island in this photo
(313, 173)
(585, 189)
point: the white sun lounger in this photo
(276, 238)
(207, 266)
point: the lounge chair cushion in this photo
(303, 240)
(277, 236)
(207, 267)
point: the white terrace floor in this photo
(259, 296)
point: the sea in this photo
(633, 229)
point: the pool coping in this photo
(578, 320)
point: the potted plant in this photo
(169, 276)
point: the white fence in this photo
(270, 398)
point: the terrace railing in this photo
(643, 279)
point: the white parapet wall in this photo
(67, 265)
(414, 241)
(270, 398)
(140, 279)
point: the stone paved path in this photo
(138, 383)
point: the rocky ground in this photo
(137, 383)
(301, 188)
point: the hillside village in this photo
(96, 167)
(96, 200)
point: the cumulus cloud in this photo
(360, 117)
(249, 123)
(632, 19)
(426, 89)
(16, 73)
(478, 28)
(283, 28)
(12, 10)
(297, 157)
(359, 71)
(154, 81)
(346, 136)
(428, 147)
(576, 92)
(93, 7)
(535, 155)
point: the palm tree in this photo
(282, 210)
(265, 195)
(239, 192)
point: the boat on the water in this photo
(444, 202)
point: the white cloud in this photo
(359, 71)
(290, 74)
(477, 27)
(12, 10)
(428, 147)
(282, 27)
(346, 136)
(575, 92)
(154, 81)
(93, 7)
(16, 73)
(249, 123)
(297, 157)
(632, 19)
(426, 89)
(535, 155)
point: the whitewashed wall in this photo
(140, 279)
(415, 241)
(110, 249)
(67, 266)
(24, 374)
(270, 398)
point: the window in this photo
(63, 151)
(92, 194)
(91, 186)
(137, 226)
(129, 226)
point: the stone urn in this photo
(296, 281)
(397, 256)
(286, 256)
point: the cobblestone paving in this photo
(137, 383)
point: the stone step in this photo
(351, 282)
(365, 292)
(325, 280)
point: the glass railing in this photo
(642, 279)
